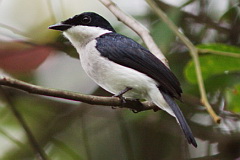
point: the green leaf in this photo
(214, 64)
(233, 98)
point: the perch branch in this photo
(194, 53)
(136, 27)
(90, 99)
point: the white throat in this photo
(79, 36)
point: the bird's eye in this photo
(86, 20)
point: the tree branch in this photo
(90, 99)
(136, 27)
(193, 52)
(222, 53)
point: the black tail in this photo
(183, 124)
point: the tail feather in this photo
(180, 118)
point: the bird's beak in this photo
(60, 27)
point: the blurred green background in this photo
(68, 130)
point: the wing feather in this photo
(126, 52)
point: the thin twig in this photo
(194, 53)
(40, 153)
(229, 54)
(90, 99)
(136, 27)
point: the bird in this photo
(122, 66)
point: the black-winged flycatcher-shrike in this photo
(122, 66)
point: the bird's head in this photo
(84, 26)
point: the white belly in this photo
(113, 77)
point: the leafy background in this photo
(75, 131)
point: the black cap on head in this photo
(84, 19)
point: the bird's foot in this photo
(120, 96)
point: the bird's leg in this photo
(120, 95)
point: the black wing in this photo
(126, 52)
